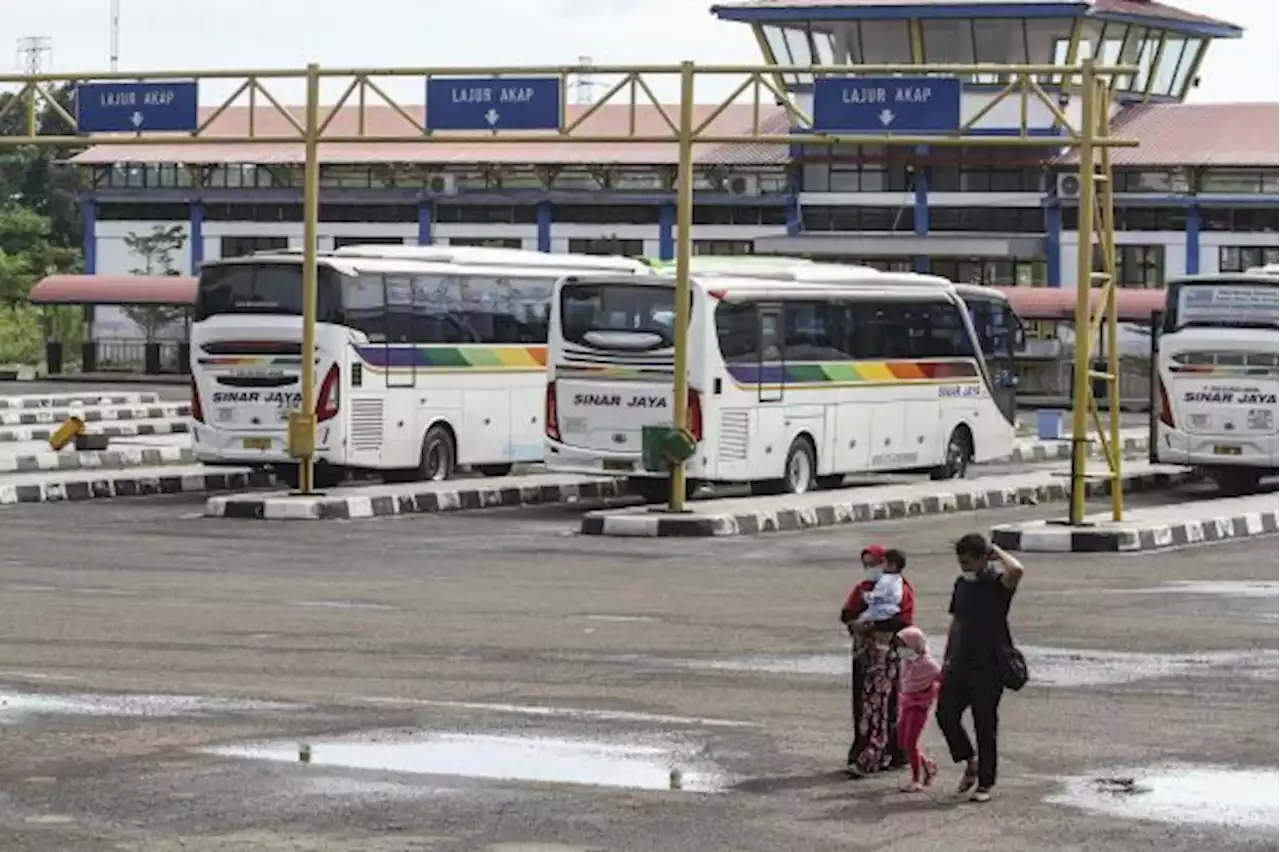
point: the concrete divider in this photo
(750, 516)
(56, 486)
(115, 430)
(1148, 528)
(88, 400)
(34, 417)
(349, 503)
(117, 459)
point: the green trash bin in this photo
(663, 447)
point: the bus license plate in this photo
(257, 443)
(1225, 450)
(611, 464)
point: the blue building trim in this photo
(425, 214)
(89, 224)
(890, 11)
(1193, 240)
(1053, 244)
(544, 226)
(195, 216)
(921, 176)
(667, 232)
(795, 185)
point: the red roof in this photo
(1197, 135)
(608, 120)
(114, 290)
(1046, 303)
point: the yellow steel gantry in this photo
(1090, 135)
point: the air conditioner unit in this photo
(442, 184)
(742, 185)
(1068, 185)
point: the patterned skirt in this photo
(875, 685)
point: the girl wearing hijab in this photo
(921, 675)
(877, 608)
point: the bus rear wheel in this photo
(959, 453)
(322, 476)
(655, 490)
(493, 469)
(799, 472)
(439, 455)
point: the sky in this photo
(226, 34)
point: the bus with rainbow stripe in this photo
(428, 359)
(798, 376)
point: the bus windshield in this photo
(1222, 304)
(617, 316)
(265, 288)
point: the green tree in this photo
(40, 179)
(157, 252)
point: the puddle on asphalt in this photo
(1053, 667)
(627, 764)
(1186, 794)
(19, 706)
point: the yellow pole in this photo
(1084, 283)
(684, 248)
(1108, 242)
(305, 437)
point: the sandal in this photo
(911, 787)
(930, 773)
(981, 795)
(967, 780)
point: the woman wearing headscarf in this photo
(880, 605)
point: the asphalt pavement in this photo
(488, 632)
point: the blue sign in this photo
(886, 105)
(490, 103)
(163, 107)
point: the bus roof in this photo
(1252, 277)
(1268, 269)
(728, 287)
(408, 266)
(482, 256)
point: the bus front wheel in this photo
(1237, 483)
(959, 452)
(799, 472)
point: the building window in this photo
(736, 214)
(605, 214)
(343, 242)
(893, 219)
(986, 220)
(1135, 219)
(486, 214)
(993, 273)
(723, 247)
(241, 246)
(1245, 220)
(1240, 258)
(1140, 266)
(607, 245)
(487, 242)
(1238, 181)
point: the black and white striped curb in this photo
(351, 507)
(1040, 451)
(124, 457)
(1051, 538)
(126, 485)
(849, 508)
(123, 430)
(94, 415)
(30, 402)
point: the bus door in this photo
(770, 352)
(998, 330)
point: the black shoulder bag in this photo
(1013, 667)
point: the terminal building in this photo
(1198, 195)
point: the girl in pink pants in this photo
(921, 675)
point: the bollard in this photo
(676, 779)
(304, 752)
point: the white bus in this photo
(421, 367)
(1217, 365)
(793, 384)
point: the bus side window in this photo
(738, 332)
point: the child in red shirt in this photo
(921, 676)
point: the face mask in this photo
(971, 576)
(874, 574)
(907, 654)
